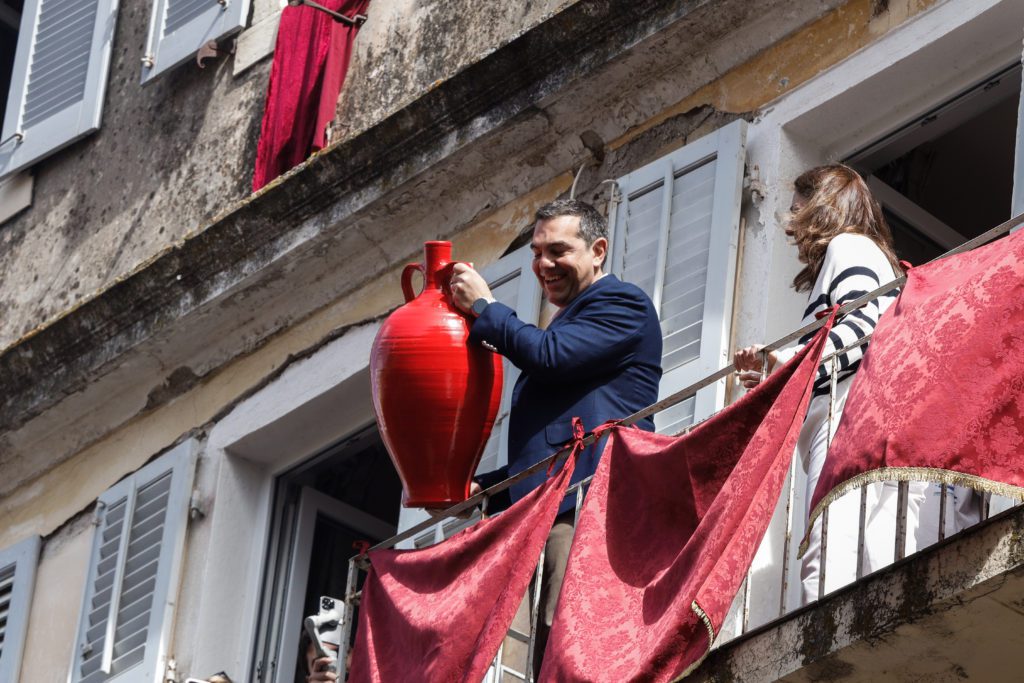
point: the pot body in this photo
(435, 396)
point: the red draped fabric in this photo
(439, 614)
(668, 531)
(940, 394)
(311, 59)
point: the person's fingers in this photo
(750, 379)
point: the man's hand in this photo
(750, 361)
(437, 513)
(320, 672)
(467, 286)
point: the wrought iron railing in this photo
(499, 670)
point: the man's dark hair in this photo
(592, 224)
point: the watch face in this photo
(478, 306)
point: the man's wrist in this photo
(480, 305)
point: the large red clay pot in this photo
(435, 396)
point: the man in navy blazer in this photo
(599, 359)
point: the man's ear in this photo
(600, 250)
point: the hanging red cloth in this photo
(440, 614)
(940, 394)
(668, 531)
(311, 59)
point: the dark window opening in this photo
(348, 493)
(948, 176)
(10, 22)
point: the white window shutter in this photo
(130, 588)
(17, 581)
(178, 28)
(675, 237)
(59, 78)
(513, 283)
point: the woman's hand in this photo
(749, 362)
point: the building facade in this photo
(186, 436)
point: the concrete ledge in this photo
(952, 612)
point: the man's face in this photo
(562, 261)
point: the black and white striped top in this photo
(853, 266)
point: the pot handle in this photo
(407, 280)
(445, 277)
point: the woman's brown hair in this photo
(838, 201)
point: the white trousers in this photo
(844, 514)
(963, 509)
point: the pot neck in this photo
(436, 255)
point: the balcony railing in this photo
(740, 615)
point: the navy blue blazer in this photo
(599, 360)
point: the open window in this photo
(947, 176)
(17, 580)
(349, 492)
(57, 78)
(675, 237)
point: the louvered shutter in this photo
(17, 580)
(513, 283)
(675, 238)
(178, 28)
(126, 616)
(58, 80)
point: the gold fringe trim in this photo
(927, 474)
(711, 639)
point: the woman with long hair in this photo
(846, 250)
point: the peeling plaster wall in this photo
(409, 46)
(167, 157)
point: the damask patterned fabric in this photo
(668, 531)
(940, 393)
(439, 614)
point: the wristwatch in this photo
(478, 306)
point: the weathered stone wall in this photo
(171, 155)
(167, 157)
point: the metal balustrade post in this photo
(823, 554)
(347, 626)
(942, 511)
(862, 530)
(531, 675)
(787, 544)
(902, 500)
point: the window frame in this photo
(24, 558)
(180, 462)
(727, 146)
(163, 51)
(19, 148)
